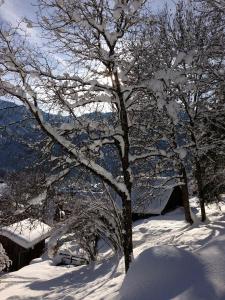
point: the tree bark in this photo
(184, 187)
(124, 156)
(127, 233)
(198, 176)
(185, 197)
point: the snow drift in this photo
(168, 272)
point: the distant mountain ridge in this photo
(17, 129)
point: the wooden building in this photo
(24, 241)
(156, 197)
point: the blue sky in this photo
(14, 10)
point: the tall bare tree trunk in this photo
(124, 155)
(184, 187)
(198, 175)
(127, 233)
(185, 196)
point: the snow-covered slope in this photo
(188, 262)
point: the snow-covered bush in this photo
(89, 222)
(4, 259)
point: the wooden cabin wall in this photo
(21, 256)
(174, 201)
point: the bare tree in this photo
(217, 4)
(156, 52)
(87, 220)
(90, 38)
(185, 52)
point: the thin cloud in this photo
(10, 13)
(16, 11)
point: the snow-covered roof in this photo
(26, 233)
(152, 197)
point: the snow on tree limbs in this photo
(92, 33)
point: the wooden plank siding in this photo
(21, 256)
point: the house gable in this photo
(26, 233)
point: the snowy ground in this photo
(204, 259)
